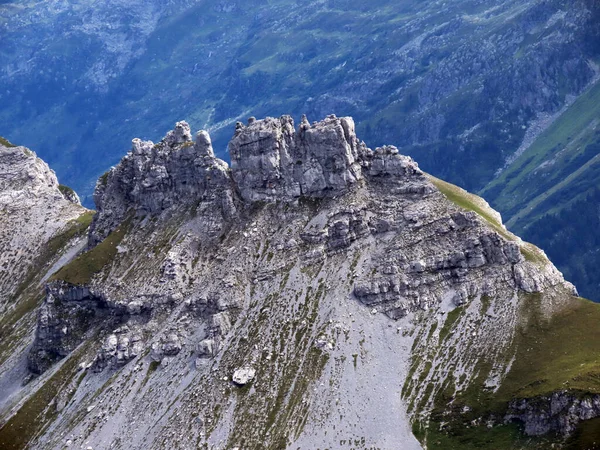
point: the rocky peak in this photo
(34, 207)
(25, 178)
(272, 160)
(154, 177)
(24, 174)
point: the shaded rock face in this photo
(67, 314)
(154, 177)
(561, 413)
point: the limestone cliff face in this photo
(273, 161)
(259, 303)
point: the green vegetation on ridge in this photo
(6, 143)
(81, 270)
(470, 202)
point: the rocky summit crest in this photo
(315, 292)
(270, 161)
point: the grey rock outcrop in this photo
(66, 316)
(118, 349)
(560, 413)
(271, 160)
(154, 177)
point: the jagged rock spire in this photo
(271, 160)
(154, 177)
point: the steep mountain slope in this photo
(35, 209)
(315, 294)
(459, 84)
(42, 226)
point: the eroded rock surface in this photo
(311, 267)
(152, 178)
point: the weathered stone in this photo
(560, 413)
(271, 160)
(155, 177)
(243, 376)
(206, 348)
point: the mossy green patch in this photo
(104, 178)
(586, 436)
(562, 352)
(499, 437)
(470, 202)
(66, 190)
(81, 270)
(152, 367)
(451, 318)
(77, 227)
(6, 143)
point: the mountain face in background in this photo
(550, 193)
(468, 87)
(315, 293)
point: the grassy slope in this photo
(40, 408)
(558, 351)
(81, 270)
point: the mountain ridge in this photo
(312, 280)
(463, 87)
